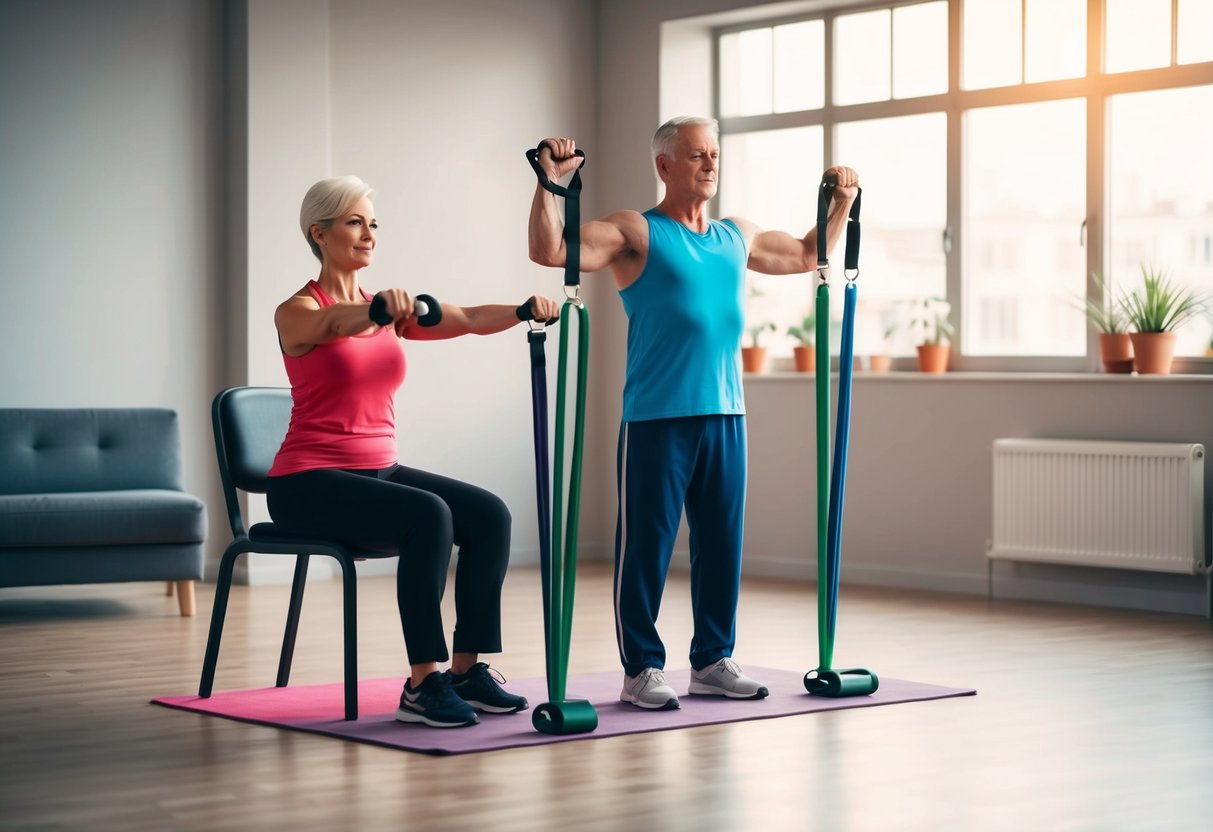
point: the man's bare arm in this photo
(777, 252)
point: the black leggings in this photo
(420, 516)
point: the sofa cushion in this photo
(101, 518)
(51, 450)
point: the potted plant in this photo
(1108, 318)
(892, 317)
(806, 334)
(1155, 310)
(934, 333)
(754, 357)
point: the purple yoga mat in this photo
(318, 709)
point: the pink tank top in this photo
(344, 410)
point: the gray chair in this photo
(250, 423)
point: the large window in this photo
(1015, 156)
(1155, 215)
(1024, 198)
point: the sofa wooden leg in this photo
(168, 588)
(185, 597)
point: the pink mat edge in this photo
(444, 740)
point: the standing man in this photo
(682, 443)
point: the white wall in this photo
(433, 106)
(154, 154)
(111, 163)
(919, 485)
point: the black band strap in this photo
(824, 194)
(572, 212)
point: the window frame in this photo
(1096, 88)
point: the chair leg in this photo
(223, 587)
(292, 620)
(185, 597)
(349, 581)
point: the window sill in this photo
(959, 376)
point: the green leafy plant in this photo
(1159, 305)
(1106, 315)
(756, 331)
(929, 321)
(806, 332)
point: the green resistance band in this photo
(825, 680)
(561, 715)
(825, 635)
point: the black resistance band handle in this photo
(824, 194)
(425, 307)
(574, 186)
(572, 212)
(428, 310)
(524, 313)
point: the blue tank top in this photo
(685, 319)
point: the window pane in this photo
(1138, 33)
(1056, 40)
(992, 35)
(1195, 31)
(1161, 212)
(770, 178)
(862, 57)
(800, 66)
(920, 50)
(745, 73)
(902, 166)
(1024, 197)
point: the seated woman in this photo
(337, 474)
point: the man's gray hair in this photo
(666, 136)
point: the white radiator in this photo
(1126, 505)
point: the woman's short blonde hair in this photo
(327, 200)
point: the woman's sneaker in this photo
(649, 690)
(725, 679)
(434, 704)
(480, 689)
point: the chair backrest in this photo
(250, 424)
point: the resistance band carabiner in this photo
(557, 530)
(831, 484)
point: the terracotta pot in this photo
(880, 363)
(1153, 352)
(933, 358)
(1116, 352)
(804, 355)
(754, 359)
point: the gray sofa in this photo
(95, 496)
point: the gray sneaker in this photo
(649, 690)
(725, 679)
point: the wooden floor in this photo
(1085, 719)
